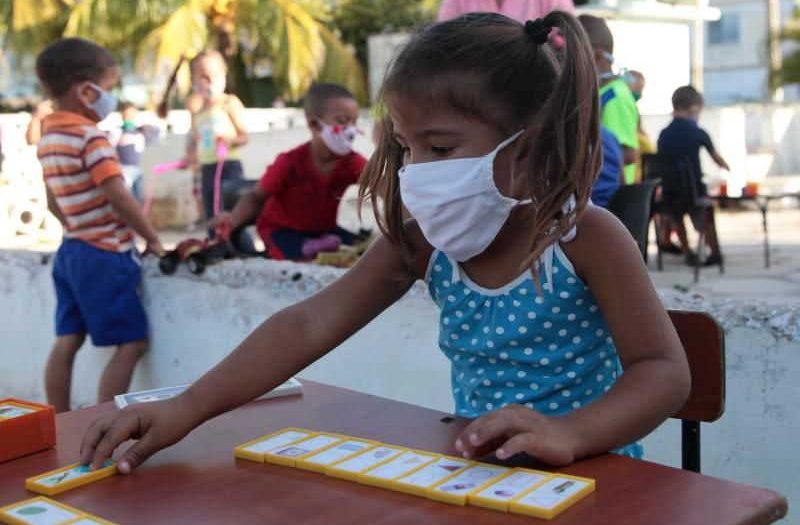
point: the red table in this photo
(198, 480)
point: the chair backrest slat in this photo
(704, 343)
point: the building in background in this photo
(737, 52)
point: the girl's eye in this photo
(440, 150)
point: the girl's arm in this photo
(235, 110)
(656, 381)
(279, 348)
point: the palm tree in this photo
(157, 33)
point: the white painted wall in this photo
(197, 321)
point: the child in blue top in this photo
(491, 144)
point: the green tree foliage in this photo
(356, 20)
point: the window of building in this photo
(726, 30)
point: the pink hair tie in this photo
(556, 39)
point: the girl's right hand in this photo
(155, 425)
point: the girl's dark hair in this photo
(488, 67)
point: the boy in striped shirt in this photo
(96, 271)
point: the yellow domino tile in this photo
(254, 450)
(497, 495)
(347, 448)
(422, 479)
(69, 477)
(352, 467)
(287, 455)
(552, 497)
(88, 519)
(32, 511)
(385, 474)
(454, 490)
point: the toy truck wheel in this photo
(168, 264)
(196, 264)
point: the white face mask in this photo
(339, 139)
(456, 202)
(105, 103)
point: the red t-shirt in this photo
(300, 197)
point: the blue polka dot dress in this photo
(551, 352)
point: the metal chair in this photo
(704, 343)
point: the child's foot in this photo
(669, 247)
(326, 243)
(713, 260)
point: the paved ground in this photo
(742, 240)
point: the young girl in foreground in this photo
(492, 146)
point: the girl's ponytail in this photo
(565, 153)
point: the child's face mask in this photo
(104, 104)
(457, 203)
(338, 138)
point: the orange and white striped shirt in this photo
(77, 158)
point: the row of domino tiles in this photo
(438, 477)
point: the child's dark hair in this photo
(125, 105)
(600, 35)
(685, 97)
(318, 96)
(69, 61)
(491, 68)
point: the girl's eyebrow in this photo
(438, 132)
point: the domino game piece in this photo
(384, 474)
(497, 495)
(45, 511)
(352, 468)
(455, 490)
(287, 455)
(552, 497)
(338, 452)
(69, 477)
(420, 481)
(254, 450)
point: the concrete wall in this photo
(197, 321)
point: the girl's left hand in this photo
(519, 429)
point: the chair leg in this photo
(659, 253)
(690, 446)
(700, 253)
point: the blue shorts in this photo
(97, 292)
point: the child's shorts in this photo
(97, 292)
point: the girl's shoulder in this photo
(599, 232)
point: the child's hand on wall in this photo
(515, 429)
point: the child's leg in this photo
(287, 244)
(58, 373)
(118, 372)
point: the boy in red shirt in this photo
(297, 200)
